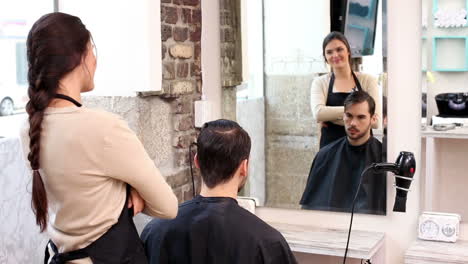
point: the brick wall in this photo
(181, 34)
(231, 45)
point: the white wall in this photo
(210, 54)
(127, 35)
(404, 64)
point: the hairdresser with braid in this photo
(83, 160)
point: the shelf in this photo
(431, 252)
(451, 7)
(331, 242)
(443, 50)
(457, 132)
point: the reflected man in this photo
(336, 169)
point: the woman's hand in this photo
(136, 202)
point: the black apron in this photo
(120, 244)
(331, 132)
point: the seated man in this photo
(336, 169)
(213, 228)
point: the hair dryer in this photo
(404, 169)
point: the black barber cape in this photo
(334, 178)
(214, 230)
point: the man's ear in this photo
(244, 168)
(195, 160)
(374, 119)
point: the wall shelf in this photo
(331, 242)
(432, 252)
(451, 5)
(443, 50)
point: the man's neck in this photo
(360, 141)
(222, 190)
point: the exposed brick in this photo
(227, 35)
(178, 194)
(180, 34)
(183, 123)
(230, 51)
(196, 16)
(181, 158)
(223, 4)
(181, 51)
(184, 141)
(165, 1)
(225, 18)
(191, 2)
(182, 105)
(163, 51)
(195, 69)
(186, 15)
(187, 193)
(182, 69)
(166, 32)
(195, 34)
(182, 87)
(170, 15)
(197, 51)
(179, 179)
(199, 86)
(168, 71)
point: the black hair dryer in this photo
(404, 169)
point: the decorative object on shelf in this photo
(450, 18)
(439, 226)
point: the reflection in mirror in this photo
(315, 146)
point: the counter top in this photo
(431, 252)
(457, 132)
(331, 242)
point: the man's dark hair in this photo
(222, 146)
(357, 97)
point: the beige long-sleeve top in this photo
(334, 114)
(86, 158)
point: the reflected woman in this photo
(329, 91)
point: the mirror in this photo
(276, 92)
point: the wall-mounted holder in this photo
(443, 50)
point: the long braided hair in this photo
(56, 45)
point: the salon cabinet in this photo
(430, 252)
(363, 245)
(444, 176)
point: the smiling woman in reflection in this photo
(336, 170)
(329, 91)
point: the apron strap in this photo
(62, 258)
(358, 84)
(332, 82)
(330, 86)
